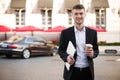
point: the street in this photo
(51, 68)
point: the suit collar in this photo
(72, 35)
(88, 35)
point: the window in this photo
(29, 40)
(49, 17)
(17, 16)
(100, 17)
(46, 17)
(43, 16)
(20, 17)
(70, 21)
(23, 17)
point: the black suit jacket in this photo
(69, 35)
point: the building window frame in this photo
(46, 17)
(70, 19)
(20, 17)
(100, 17)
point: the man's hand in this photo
(89, 52)
(70, 59)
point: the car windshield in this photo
(14, 39)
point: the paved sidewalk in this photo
(107, 68)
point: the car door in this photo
(39, 46)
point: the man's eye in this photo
(81, 13)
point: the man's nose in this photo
(79, 15)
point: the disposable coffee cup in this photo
(88, 46)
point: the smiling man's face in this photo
(78, 16)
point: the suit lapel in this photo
(72, 35)
(87, 35)
(73, 39)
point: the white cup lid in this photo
(89, 45)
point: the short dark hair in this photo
(78, 6)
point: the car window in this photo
(34, 39)
(29, 40)
(39, 40)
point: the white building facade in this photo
(46, 14)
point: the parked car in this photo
(27, 46)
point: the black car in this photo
(27, 46)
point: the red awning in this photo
(27, 28)
(4, 28)
(56, 29)
(97, 29)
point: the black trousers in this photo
(81, 74)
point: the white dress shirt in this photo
(81, 60)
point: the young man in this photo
(81, 64)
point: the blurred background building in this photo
(46, 14)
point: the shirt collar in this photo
(83, 29)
